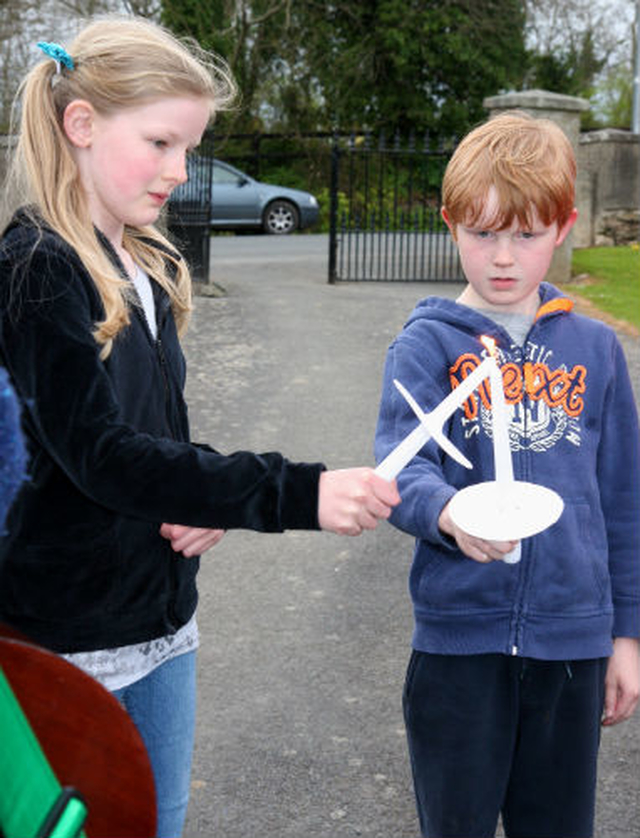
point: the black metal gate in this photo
(385, 221)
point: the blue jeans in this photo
(163, 708)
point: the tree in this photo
(387, 64)
(572, 70)
(580, 47)
(25, 22)
(614, 96)
(384, 64)
(410, 64)
(12, 54)
(248, 34)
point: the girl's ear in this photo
(78, 122)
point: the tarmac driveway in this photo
(305, 636)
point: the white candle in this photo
(500, 427)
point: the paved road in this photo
(305, 636)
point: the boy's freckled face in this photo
(504, 268)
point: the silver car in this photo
(240, 202)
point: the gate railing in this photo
(189, 213)
(384, 207)
(385, 221)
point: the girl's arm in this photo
(73, 412)
(350, 501)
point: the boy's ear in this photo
(563, 232)
(448, 222)
(78, 123)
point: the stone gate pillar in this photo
(565, 111)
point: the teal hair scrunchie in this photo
(58, 53)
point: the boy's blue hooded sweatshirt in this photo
(574, 429)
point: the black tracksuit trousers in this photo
(493, 734)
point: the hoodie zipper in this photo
(173, 562)
(525, 568)
(156, 341)
(162, 362)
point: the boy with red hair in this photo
(515, 666)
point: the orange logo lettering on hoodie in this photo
(557, 388)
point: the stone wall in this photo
(608, 196)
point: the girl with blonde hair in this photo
(101, 555)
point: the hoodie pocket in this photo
(77, 580)
(449, 581)
(571, 573)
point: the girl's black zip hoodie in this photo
(82, 563)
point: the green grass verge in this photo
(613, 280)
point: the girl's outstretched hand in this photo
(354, 499)
(190, 541)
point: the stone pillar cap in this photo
(603, 135)
(538, 99)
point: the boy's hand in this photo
(478, 549)
(353, 500)
(190, 541)
(622, 683)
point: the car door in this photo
(234, 197)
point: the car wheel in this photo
(280, 218)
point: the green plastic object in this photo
(33, 804)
